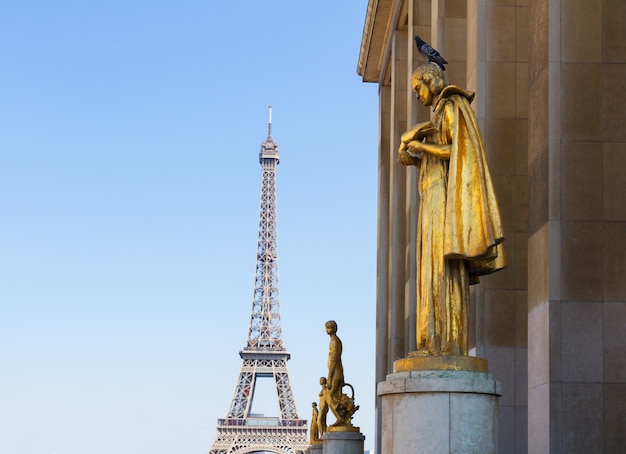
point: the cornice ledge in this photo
(367, 36)
(380, 20)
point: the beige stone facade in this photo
(550, 82)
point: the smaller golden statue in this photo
(314, 436)
(331, 395)
(323, 409)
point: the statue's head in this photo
(323, 381)
(427, 82)
(331, 326)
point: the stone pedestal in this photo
(315, 449)
(430, 405)
(343, 442)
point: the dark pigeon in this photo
(429, 53)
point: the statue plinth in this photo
(344, 429)
(439, 405)
(416, 362)
(343, 442)
(316, 448)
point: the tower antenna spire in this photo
(269, 125)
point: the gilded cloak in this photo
(473, 227)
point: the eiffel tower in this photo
(264, 355)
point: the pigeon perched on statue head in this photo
(429, 53)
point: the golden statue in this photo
(332, 396)
(323, 410)
(335, 367)
(314, 435)
(459, 232)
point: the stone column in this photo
(577, 227)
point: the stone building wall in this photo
(549, 77)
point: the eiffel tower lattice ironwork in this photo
(264, 355)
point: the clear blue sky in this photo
(129, 203)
